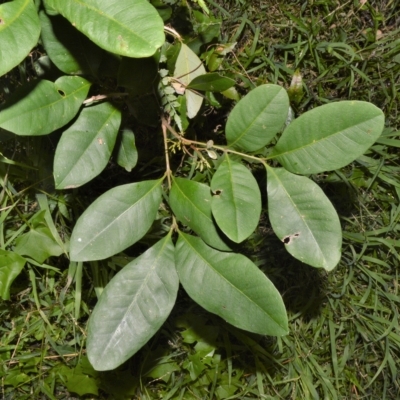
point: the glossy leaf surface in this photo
(133, 306)
(70, 50)
(191, 203)
(86, 146)
(129, 28)
(19, 32)
(231, 286)
(236, 203)
(329, 137)
(187, 67)
(11, 264)
(127, 155)
(212, 82)
(43, 107)
(304, 219)
(257, 118)
(115, 220)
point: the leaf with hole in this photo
(19, 32)
(115, 220)
(231, 286)
(86, 146)
(133, 306)
(236, 203)
(44, 106)
(257, 118)
(304, 219)
(11, 265)
(70, 50)
(191, 203)
(329, 137)
(129, 28)
(187, 67)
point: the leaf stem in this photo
(164, 125)
(184, 141)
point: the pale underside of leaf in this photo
(133, 306)
(304, 219)
(188, 66)
(231, 286)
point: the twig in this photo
(164, 125)
(189, 142)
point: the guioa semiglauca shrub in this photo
(167, 80)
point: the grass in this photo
(344, 340)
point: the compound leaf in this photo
(329, 137)
(304, 219)
(236, 204)
(85, 147)
(131, 28)
(133, 306)
(231, 286)
(43, 107)
(257, 118)
(191, 203)
(115, 220)
(19, 32)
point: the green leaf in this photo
(329, 137)
(82, 384)
(257, 118)
(85, 147)
(11, 265)
(236, 204)
(130, 28)
(133, 306)
(127, 153)
(43, 107)
(304, 219)
(231, 286)
(212, 82)
(39, 243)
(19, 32)
(115, 220)
(191, 203)
(138, 75)
(70, 50)
(188, 66)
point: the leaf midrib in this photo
(137, 294)
(108, 17)
(320, 140)
(222, 277)
(157, 183)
